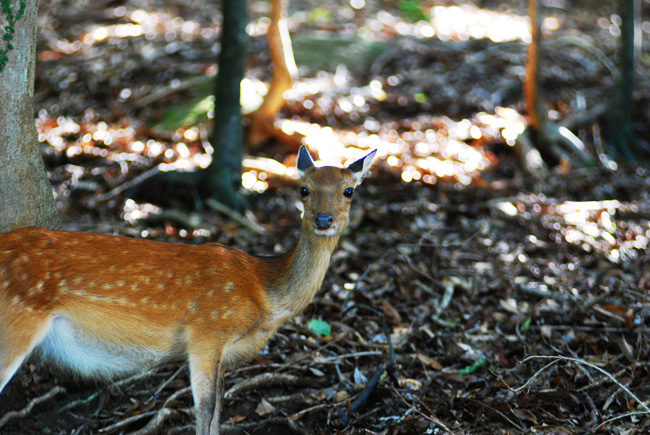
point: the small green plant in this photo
(412, 10)
(9, 28)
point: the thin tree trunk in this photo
(534, 107)
(222, 179)
(543, 140)
(25, 192)
(284, 72)
(618, 125)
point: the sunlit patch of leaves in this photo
(591, 225)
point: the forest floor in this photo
(513, 304)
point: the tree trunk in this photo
(222, 180)
(25, 193)
(618, 123)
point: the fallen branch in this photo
(263, 380)
(126, 185)
(155, 424)
(32, 403)
(167, 382)
(362, 398)
(237, 217)
(246, 427)
(126, 422)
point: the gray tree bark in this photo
(222, 179)
(25, 193)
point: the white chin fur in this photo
(330, 232)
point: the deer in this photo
(106, 307)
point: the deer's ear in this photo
(304, 161)
(360, 167)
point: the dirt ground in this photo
(513, 304)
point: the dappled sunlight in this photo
(454, 23)
(133, 211)
(150, 24)
(426, 149)
(590, 225)
(467, 21)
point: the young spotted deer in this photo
(108, 306)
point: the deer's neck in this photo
(299, 274)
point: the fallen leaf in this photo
(392, 316)
(359, 378)
(264, 408)
(524, 414)
(235, 419)
(429, 361)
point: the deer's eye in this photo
(304, 192)
(348, 192)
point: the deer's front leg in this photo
(207, 389)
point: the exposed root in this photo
(32, 403)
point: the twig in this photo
(167, 382)
(365, 394)
(384, 325)
(299, 414)
(556, 359)
(592, 302)
(238, 428)
(27, 409)
(155, 424)
(386, 366)
(169, 90)
(237, 217)
(94, 395)
(432, 418)
(599, 382)
(187, 220)
(388, 252)
(496, 411)
(126, 422)
(126, 185)
(176, 395)
(264, 379)
(347, 355)
(618, 417)
(528, 289)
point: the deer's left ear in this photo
(360, 167)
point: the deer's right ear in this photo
(304, 161)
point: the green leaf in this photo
(471, 369)
(526, 324)
(320, 327)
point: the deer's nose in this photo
(323, 221)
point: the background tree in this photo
(25, 193)
(618, 120)
(222, 179)
(261, 121)
(544, 142)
